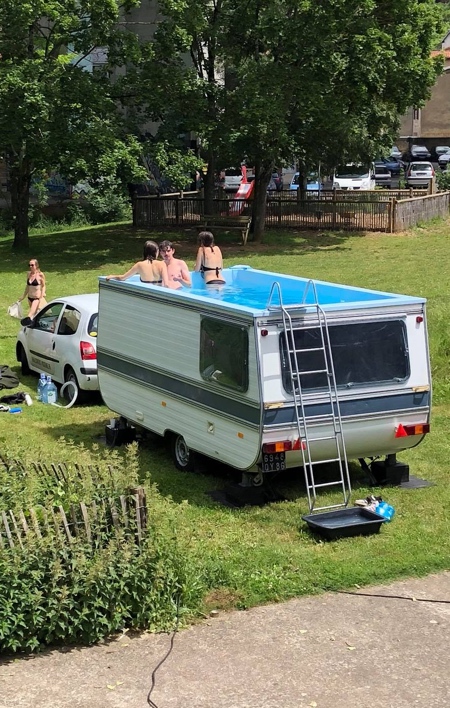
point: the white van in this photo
(354, 176)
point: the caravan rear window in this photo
(224, 353)
(363, 353)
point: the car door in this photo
(66, 345)
(41, 339)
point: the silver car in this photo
(62, 341)
(419, 174)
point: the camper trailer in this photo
(268, 372)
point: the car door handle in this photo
(53, 345)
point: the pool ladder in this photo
(308, 438)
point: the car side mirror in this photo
(27, 322)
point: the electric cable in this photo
(151, 703)
(391, 597)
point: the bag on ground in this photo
(8, 379)
(15, 310)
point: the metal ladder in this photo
(333, 417)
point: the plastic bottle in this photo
(385, 510)
(50, 392)
(40, 387)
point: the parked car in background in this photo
(419, 152)
(231, 178)
(395, 152)
(443, 160)
(441, 150)
(312, 182)
(419, 174)
(394, 165)
(353, 176)
(383, 177)
(62, 341)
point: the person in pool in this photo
(149, 269)
(177, 269)
(209, 259)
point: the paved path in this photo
(329, 651)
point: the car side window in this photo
(47, 318)
(69, 321)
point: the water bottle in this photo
(40, 387)
(385, 510)
(50, 393)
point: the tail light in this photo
(404, 431)
(277, 446)
(87, 351)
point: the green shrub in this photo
(75, 594)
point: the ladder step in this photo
(325, 437)
(327, 484)
(308, 373)
(325, 462)
(303, 351)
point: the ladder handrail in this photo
(300, 413)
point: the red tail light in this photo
(277, 446)
(87, 351)
(403, 431)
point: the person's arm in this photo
(164, 274)
(198, 262)
(185, 275)
(43, 286)
(25, 292)
(133, 270)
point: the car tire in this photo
(22, 358)
(183, 458)
(70, 375)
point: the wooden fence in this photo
(92, 522)
(377, 210)
(409, 212)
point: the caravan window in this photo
(224, 353)
(363, 354)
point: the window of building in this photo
(224, 353)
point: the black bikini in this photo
(152, 282)
(35, 283)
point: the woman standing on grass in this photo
(209, 259)
(34, 288)
(149, 269)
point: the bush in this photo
(74, 594)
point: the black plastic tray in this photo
(342, 523)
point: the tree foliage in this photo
(55, 114)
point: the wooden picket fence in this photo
(92, 522)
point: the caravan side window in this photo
(224, 353)
(363, 353)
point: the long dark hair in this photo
(205, 239)
(150, 251)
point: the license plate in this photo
(273, 461)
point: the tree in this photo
(54, 113)
(277, 79)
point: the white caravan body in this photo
(208, 365)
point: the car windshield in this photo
(351, 171)
(420, 166)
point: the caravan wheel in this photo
(183, 457)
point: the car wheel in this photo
(70, 375)
(182, 456)
(22, 357)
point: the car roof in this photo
(87, 302)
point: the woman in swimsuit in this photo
(34, 288)
(149, 269)
(209, 259)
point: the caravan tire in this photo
(182, 456)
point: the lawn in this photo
(257, 554)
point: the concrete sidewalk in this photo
(386, 650)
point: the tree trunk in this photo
(263, 173)
(209, 183)
(20, 179)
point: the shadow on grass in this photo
(66, 252)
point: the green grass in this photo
(259, 554)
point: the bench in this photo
(215, 222)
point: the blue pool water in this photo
(251, 289)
